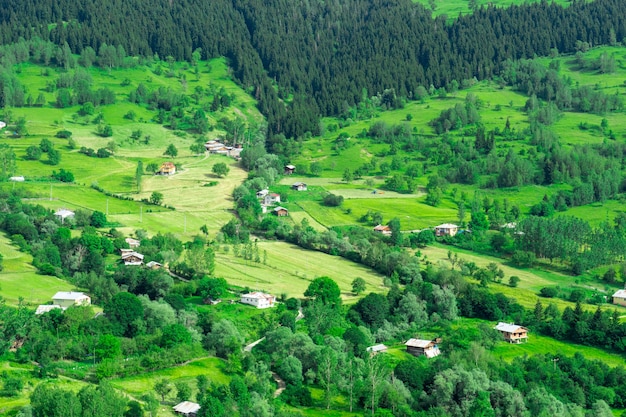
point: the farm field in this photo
(290, 269)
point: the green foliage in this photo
(358, 285)
(171, 151)
(220, 169)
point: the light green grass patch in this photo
(290, 269)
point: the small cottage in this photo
(281, 211)
(512, 332)
(63, 214)
(187, 409)
(132, 258)
(258, 299)
(382, 229)
(299, 186)
(421, 347)
(154, 265)
(619, 298)
(132, 243)
(290, 169)
(167, 168)
(376, 349)
(262, 193)
(446, 229)
(66, 299)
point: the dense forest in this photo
(321, 55)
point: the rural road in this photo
(281, 384)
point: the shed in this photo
(132, 243)
(299, 186)
(132, 258)
(187, 409)
(17, 179)
(45, 308)
(281, 211)
(154, 265)
(290, 169)
(63, 214)
(376, 349)
(384, 230)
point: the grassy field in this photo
(452, 8)
(290, 269)
(531, 279)
(20, 280)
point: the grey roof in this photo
(376, 348)
(186, 407)
(508, 328)
(419, 343)
(44, 308)
(64, 213)
(620, 294)
(279, 208)
(69, 295)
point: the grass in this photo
(453, 8)
(531, 279)
(20, 280)
(290, 269)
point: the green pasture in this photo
(142, 384)
(290, 269)
(453, 8)
(19, 278)
(531, 279)
(542, 345)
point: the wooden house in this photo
(281, 211)
(290, 169)
(382, 229)
(154, 265)
(446, 229)
(513, 333)
(261, 194)
(619, 298)
(132, 243)
(132, 258)
(299, 186)
(421, 347)
(167, 168)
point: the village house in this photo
(290, 169)
(17, 179)
(299, 186)
(446, 229)
(167, 168)
(132, 258)
(281, 211)
(262, 193)
(271, 199)
(512, 332)
(63, 214)
(132, 243)
(258, 299)
(45, 308)
(384, 230)
(619, 298)
(420, 347)
(66, 299)
(376, 349)
(153, 265)
(187, 409)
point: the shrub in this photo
(549, 292)
(333, 200)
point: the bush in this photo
(63, 134)
(523, 259)
(63, 176)
(333, 200)
(549, 292)
(513, 281)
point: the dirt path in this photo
(281, 384)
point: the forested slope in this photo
(320, 54)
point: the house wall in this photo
(619, 301)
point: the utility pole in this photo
(107, 206)
(140, 214)
(50, 192)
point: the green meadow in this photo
(454, 8)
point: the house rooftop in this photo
(377, 348)
(64, 213)
(418, 343)
(258, 295)
(620, 294)
(447, 226)
(44, 308)
(71, 295)
(279, 208)
(290, 166)
(131, 254)
(187, 407)
(508, 328)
